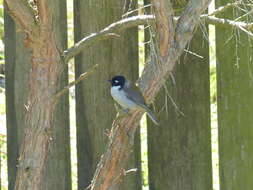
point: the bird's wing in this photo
(134, 94)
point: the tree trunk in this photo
(41, 130)
(94, 105)
(235, 104)
(58, 170)
(17, 68)
(179, 150)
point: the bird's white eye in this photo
(116, 81)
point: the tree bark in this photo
(234, 91)
(17, 67)
(183, 107)
(58, 169)
(46, 67)
(184, 133)
(94, 105)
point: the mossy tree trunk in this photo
(234, 50)
(94, 105)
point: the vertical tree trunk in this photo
(58, 174)
(29, 119)
(94, 105)
(179, 150)
(235, 104)
(17, 68)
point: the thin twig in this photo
(246, 14)
(73, 83)
(130, 12)
(222, 9)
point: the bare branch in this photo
(110, 30)
(222, 9)
(105, 34)
(135, 10)
(245, 27)
(21, 14)
(188, 21)
(79, 79)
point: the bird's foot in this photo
(121, 111)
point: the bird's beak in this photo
(110, 81)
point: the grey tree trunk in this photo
(94, 105)
(179, 149)
(235, 104)
(17, 68)
(18, 65)
(58, 174)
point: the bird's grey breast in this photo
(121, 97)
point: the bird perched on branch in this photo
(129, 97)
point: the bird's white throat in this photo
(121, 97)
(117, 93)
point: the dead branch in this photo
(135, 10)
(222, 9)
(109, 172)
(105, 34)
(22, 15)
(245, 27)
(73, 83)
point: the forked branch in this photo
(22, 15)
(110, 169)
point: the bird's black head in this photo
(118, 81)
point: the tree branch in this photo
(188, 21)
(110, 30)
(164, 26)
(222, 9)
(45, 15)
(246, 27)
(110, 169)
(22, 15)
(105, 34)
(139, 20)
(79, 79)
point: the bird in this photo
(129, 96)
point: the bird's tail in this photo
(151, 115)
